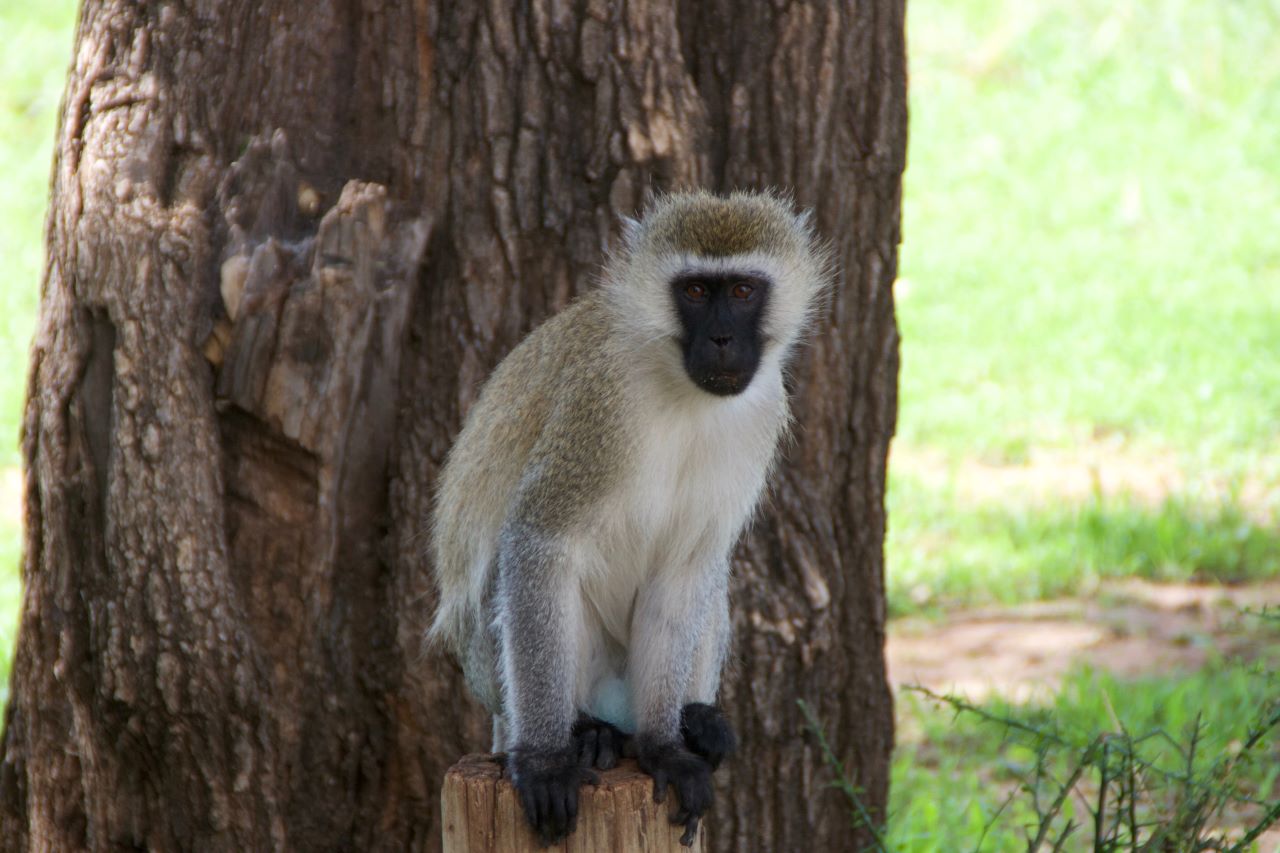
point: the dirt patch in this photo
(1128, 628)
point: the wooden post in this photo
(483, 815)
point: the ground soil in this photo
(1128, 627)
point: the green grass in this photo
(1090, 219)
(1090, 254)
(947, 553)
(953, 773)
(1091, 210)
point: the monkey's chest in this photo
(692, 489)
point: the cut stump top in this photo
(482, 814)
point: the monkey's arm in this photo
(671, 624)
(569, 470)
(539, 615)
(703, 726)
(713, 646)
(539, 611)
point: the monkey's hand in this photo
(598, 744)
(547, 783)
(706, 732)
(690, 774)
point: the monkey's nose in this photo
(722, 341)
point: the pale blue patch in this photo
(611, 702)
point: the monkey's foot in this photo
(547, 783)
(690, 774)
(598, 744)
(706, 732)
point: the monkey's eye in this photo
(695, 291)
(742, 290)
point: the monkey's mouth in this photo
(724, 383)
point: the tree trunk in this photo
(285, 248)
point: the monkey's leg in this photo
(667, 630)
(541, 619)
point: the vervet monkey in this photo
(586, 514)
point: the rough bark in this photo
(285, 248)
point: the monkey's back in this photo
(554, 403)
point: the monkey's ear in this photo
(630, 230)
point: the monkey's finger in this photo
(530, 804)
(572, 807)
(539, 823)
(559, 815)
(547, 833)
(590, 777)
(541, 799)
(606, 752)
(659, 786)
(588, 749)
(690, 832)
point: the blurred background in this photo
(1085, 488)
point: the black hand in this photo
(672, 764)
(706, 732)
(598, 744)
(547, 783)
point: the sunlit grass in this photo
(1091, 212)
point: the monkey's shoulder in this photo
(562, 390)
(554, 366)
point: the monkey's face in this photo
(720, 317)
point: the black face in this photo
(720, 314)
